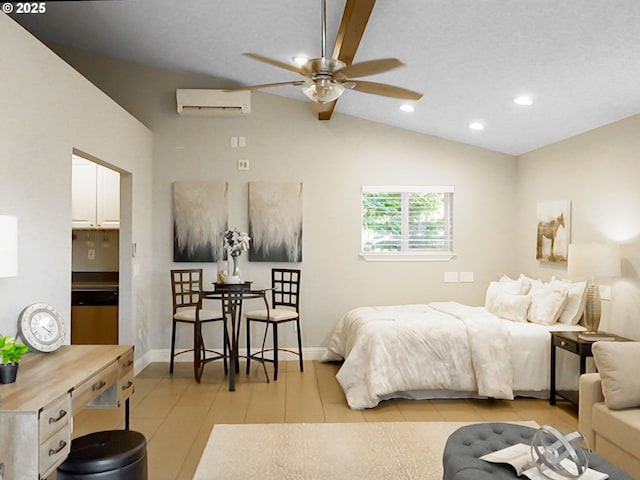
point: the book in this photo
(595, 337)
(520, 458)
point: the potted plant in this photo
(11, 353)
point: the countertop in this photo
(94, 281)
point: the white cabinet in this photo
(95, 201)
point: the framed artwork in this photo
(200, 219)
(275, 221)
(554, 226)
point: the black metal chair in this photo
(285, 308)
(186, 286)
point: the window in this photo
(407, 222)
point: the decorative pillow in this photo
(618, 363)
(509, 286)
(576, 299)
(510, 306)
(522, 281)
(547, 302)
(526, 283)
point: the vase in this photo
(8, 372)
(235, 276)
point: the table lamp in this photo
(593, 260)
(8, 246)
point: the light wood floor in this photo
(176, 414)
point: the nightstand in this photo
(570, 342)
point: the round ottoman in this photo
(108, 455)
(464, 447)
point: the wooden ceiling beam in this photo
(354, 21)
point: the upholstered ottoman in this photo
(464, 447)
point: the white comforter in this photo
(440, 346)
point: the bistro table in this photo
(232, 296)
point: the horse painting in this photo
(549, 230)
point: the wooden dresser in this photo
(36, 411)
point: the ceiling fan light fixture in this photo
(300, 60)
(478, 126)
(407, 108)
(322, 90)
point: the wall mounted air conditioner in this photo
(213, 102)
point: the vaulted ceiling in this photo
(578, 60)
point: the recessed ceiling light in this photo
(476, 126)
(407, 108)
(300, 60)
(523, 100)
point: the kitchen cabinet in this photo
(95, 201)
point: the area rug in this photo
(318, 451)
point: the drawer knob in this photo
(60, 416)
(563, 343)
(54, 451)
(128, 385)
(98, 385)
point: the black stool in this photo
(108, 455)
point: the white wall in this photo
(599, 172)
(285, 142)
(48, 110)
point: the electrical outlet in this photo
(451, 277)
(91, 254)
(466, 276)
(243, 164)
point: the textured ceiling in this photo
(578, 59)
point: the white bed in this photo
(446, 349)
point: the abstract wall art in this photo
(275, 221)
(200, 219)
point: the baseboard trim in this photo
(164, 355)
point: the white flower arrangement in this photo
(236, 242)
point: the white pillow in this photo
(617, 364)
(510, 306)
(547, 301)
(526, 283)
(509, 286)
(576, 299)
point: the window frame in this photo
(406, 255)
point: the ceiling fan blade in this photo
(277, 63)
(327, 110)
(321, 107)
(354, 21)
(371, 67)
(264, 85)
(386, 90)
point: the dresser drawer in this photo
(565, 344)
(125, 387)
(94, 387)
(125, 376)
(53, 417)
(125, 363)
(54, 450)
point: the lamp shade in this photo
(593, 260)
(322, 90)
(8, 246)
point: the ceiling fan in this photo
(328, 78)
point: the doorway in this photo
(95, 245)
